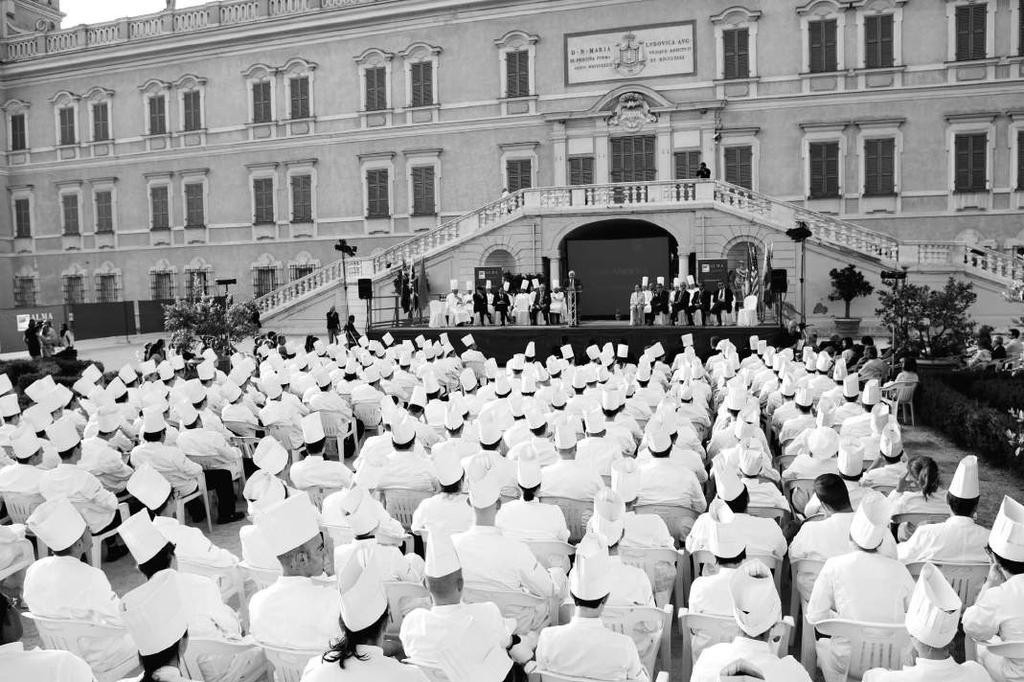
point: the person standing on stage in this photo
(659, 303)
(501, 303)
(541, 304)
(648, 303)
(333, 325)
(636, 307)
(557, 304)
(480, 306)
(677, 300)
(707, 299)
(723, 302)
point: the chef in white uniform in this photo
(64, 587)
(172, 464)
(584, 647)
(427, 631)
(313, 470)
(630, 584)
(449, 509)
(639, 530)
(598, 450)
(862, 585)
(663, 481)
(527, 518)
(359, 655)
(822, 447)
(958, 539)
(710, 594)
(756, 609)
(891, 464)
(932, 620)
(569, 477)
(405, 464)
(295, 611)
(22, 477)
(35, 664)
(999, 608)
(850, 463)
(156, 615)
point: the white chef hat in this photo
(453, 417)
(871, 521)
(141, 536)
(312, 428)
(727, 481)
(735, 398)
(25, 443)
(155, 613)
(609, 516)
(289, 523)
(230, 391)
(5, 384)
(590, 578)
(63, 434)
(659, 439)
(965, 480)
(872, 393)
(270, 455)
(153, 420)
(127, 374)
(626, 478)
(851, 385)
(164, 370)
(528, 468)
(38, 417)
(363, 600)
(756, 605)
(403, 431)
(484, 491)
(725, 539)
(447, 466)
(9, 405)
(362, 521)
(823, 442)
(39, 389)
(890, 443)
(148, 486)
(187, 415)
(851, 457)
(565, 437)
(108, 418)
(593, 421)
(441, 557)
(419, 396)
(116, 388)
(933, 614)
(57, 523)
(1007, 536)
(751, 461)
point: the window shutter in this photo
(828, 39)
(979, 21)
(978, 152)
(961, 153)
(886, 57)
(1020, 159)
(739, 166)
(517, 73)
(736, 53)
(18, 139)
(581, 170)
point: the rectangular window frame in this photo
(421, 77)
(71, 285)
(580, 169)
(105, 293)
(375, 88)
(262, 95)
(736, 53)
(378, 193)
(21, 208)
(300, 189)
(159, 206)
(519, 173)
(966, 147)
(101, 129)
(828, 183)
(193, 193)
(26, 290)
(19, 132)
(971, 31)
(103, 210)
(192, 110)
(823, 45)
(156, 114)
(879, 47)
(67, 126)
(686, 163)
(70, 214)
(423, 194)
(874, 150)
(738, 164)
(299, 102)
(264, 202)
(517, 73)
(161, 282)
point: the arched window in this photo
(500, 258)
(745, 258)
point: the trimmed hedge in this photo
(999, 391)
(967, 422)
(23, 373)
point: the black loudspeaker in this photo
(780, 283)
(365, 288)
(691, 264)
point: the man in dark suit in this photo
(480, 306)
(659, 304)
(501, 303)
(678, 302)
(707, 299)
(723, 302)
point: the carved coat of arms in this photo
(632, 57)
(632, 111)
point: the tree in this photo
(207, 321)
(929, 322)
(848, 284)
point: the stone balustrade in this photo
(183, 20)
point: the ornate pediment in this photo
(632, 111)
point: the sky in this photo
(95, 11)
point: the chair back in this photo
(768, 513)
(803, 573)
(799, 492)
(872, 645)
(402, 502)
(663, 567)
(718, 629)
(340, 535)
(367, 412)
(403, 597)
(919, 518)
(885, 489)
(243, 429)
(318, 492)
(433, 673)
(552, 553)
(529, 611)
(678, 519)
(538, 675)
(208, 659)
(750, 303)
(965, 578)
(1013, 650)
(649, 627)
(577, 513)
(20, 507)
(260, 577)
(288, 664)
(78, 636)
(230, 580)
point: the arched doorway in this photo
(611, 256)
(500, 258)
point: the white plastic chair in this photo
(804, 572)
(288, 664)
(900, 398)
(768, 513)
(649, 627)
(200, 650)
(19, 564)
(260, 577)
(747, 315)
(723, 629)
(529, 611)
(552, 553)
(703, 558)
(200, 492)
(96, 553)
(69, 635)
(19, 508)
(664, 568)
(872, 645)
(230, 581)
(678, 519)
(535, 674)
(400, 503)
(436, 314)
(918, 518)
(577, 513)
(404, 597)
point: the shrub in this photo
(967, 422)
(934, 323)
(999, 391)
(848, 284)
(23, 373)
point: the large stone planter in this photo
(847, 326)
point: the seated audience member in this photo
(35, 664)
(527, 518)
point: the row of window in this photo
(632, 160)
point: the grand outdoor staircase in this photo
(997, 268)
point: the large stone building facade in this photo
(147, 157)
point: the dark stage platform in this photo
(503, 342)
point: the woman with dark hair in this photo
(358, 655)
(32, 339)
(917, 491)
(156, 352)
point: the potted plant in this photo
(933, 325)
(206, 321)
(847, 284)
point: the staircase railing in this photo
(825, 229)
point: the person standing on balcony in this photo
(703, 173)
(333, 325)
